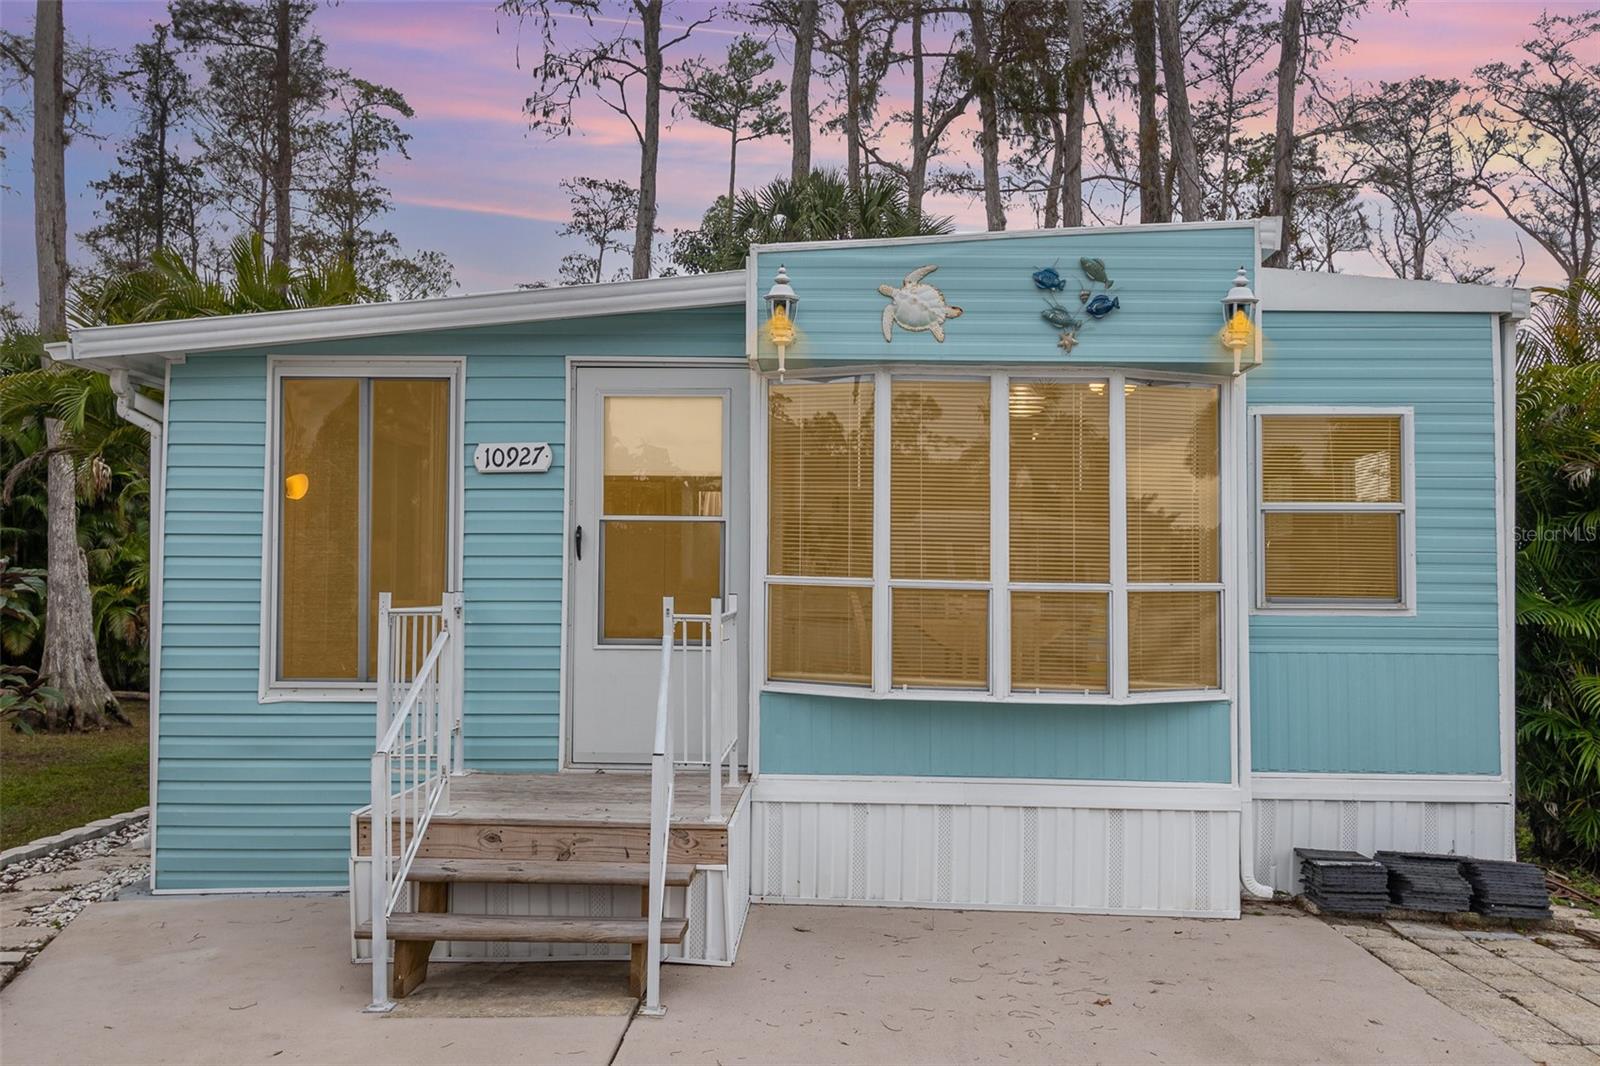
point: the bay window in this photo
(1006, 535)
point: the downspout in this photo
(1244, 576)
(150, 416)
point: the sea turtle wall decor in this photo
(916, 307)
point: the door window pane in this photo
(820, 633)
(663, 455)
(320, 544)
(1322, 555)
(941, 638)
(644, 561)
(410, 496)
(1173, 641)
(939, 480)
(1060, 482)
(1058, 641)
(821, 452)
(1173, 460)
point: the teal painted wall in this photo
(254, 795)
(806, 734)
(1406, 694)
(1169, 282)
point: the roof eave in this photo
(192, 336)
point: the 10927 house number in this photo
(512, 458)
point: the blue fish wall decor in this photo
(1100, 305)
(1049, 279)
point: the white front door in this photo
(660, 480)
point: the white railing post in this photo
(456, 608)
(385, 676)
(661, 769)
(730, 662)
(379, 836)
(712, 730)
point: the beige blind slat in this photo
(1058, 641)
(1173, 459)
(1330, 459)
(820, 496)
(1173, 641)
(941, 638)
(820, 633)
(1060, 482)
(1324, 555)
(939, 480)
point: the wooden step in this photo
(522, 872)
(406, 926)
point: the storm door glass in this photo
(661, 527)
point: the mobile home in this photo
(1082, 570)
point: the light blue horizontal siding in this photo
(255, 795)
(1405, 694)
(808, 734)
(1169, 283)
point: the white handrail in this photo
(418, 748)
(703, 649)
(660, 817)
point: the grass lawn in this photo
(52, 782)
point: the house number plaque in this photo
(512, 458)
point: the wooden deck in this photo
(586, 817)
(605, 797)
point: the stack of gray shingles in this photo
(1507, 889)
(1343, 882)
(1424, 882)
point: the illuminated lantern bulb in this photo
(295, 486)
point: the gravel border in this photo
(67, 838)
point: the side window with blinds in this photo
(1333, 510)
(819, 531)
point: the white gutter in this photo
(1243, 575)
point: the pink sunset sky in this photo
(483, 190)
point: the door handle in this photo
(577, 542)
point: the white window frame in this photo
(271, 688)
(999, 585)
(1406, 508)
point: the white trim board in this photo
(518, 306)
(1375, 788)
(981, 792)
(1307, 290)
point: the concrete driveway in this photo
(266, 980)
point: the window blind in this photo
(820, 464)
(819, 633)
(939, 481)
(1060, 482)
(1173, 456)
(1173, 641)
(1320, 555)
(1330, 459)
(1058, 641)
(941, 638)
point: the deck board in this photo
(615, 798)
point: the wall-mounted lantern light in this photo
(781, 304)
(1238, 320)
